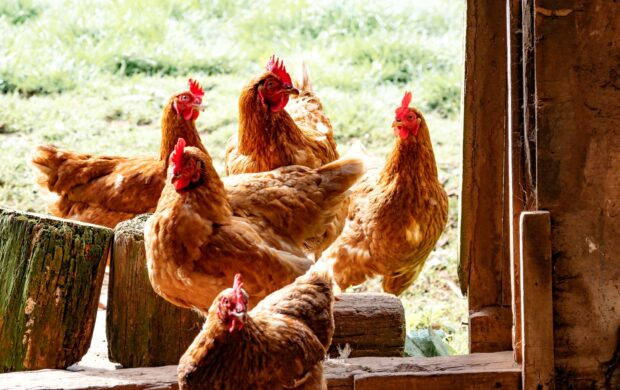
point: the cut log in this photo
(51, 272)
(143, 329)
(370, 324)
(475, 371)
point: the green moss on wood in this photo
(51, 272)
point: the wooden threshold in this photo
(478, 370)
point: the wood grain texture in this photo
(577, 48)
(340, 373)
(372, 325)
(516, 167)
(536, 300)
(484, 253)
(142, 329)
(51, 271)
(464, 380)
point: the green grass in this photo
(93, 76)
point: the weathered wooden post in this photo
(143, 329)
(51, 271)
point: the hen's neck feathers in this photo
(411, 161)
(210, 196)
(260, 129)
(173, 127)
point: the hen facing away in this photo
(106, 190)
(270, 137)
(396, 215)
(280, 344)
(196, 241)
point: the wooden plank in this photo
(464, 380)
(340, 373)
(490, 329)
(370, 324)
(51, 271)
(484, 257)
(577, 89)
(143, 329)
(518, 193)
(537, 300)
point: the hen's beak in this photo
(240, 315)
(397, 123)
(200, 107)
(289, 89)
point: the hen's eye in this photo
(184, 98)
(410, 117)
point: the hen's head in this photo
(232, 306)
(186, 166)
(406, 123)
(275, 86)
(188, 104)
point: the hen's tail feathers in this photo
(302, 79)
(340, 175)
(47, 160)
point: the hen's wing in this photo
(309, 300)
(295, 201)
(90, 185)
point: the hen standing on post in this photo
(106, 190)
(269, 137)
(396, 215)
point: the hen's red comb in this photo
(195, 88)
(237, 284)
(177, 156)
(276, 66)
(404, 105)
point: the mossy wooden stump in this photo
(143, 329)
(51, 271)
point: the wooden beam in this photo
(341, 374)
(489, 329)
(577, 81)
(370, 324)
(464, 380)
(484, 252)
(51, 271)
(537, 300)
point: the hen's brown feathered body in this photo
(396, 216)
(300, 135)
(281, 345)
(197, 239)
(106, 190)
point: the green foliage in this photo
(427, 342)
(93, 75)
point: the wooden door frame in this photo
(505, 247)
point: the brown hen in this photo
(106, 190)
(396, 215)
(270, 137)
(198, 238)
(280, 344)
